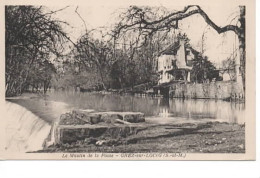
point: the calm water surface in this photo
(156, 109)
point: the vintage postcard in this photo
(121, 80)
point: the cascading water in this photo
(25, 131)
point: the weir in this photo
(25, 131)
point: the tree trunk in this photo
(101, 76)
(242, 45)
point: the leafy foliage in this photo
(202, 69)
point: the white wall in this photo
(164, 64)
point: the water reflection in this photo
(203, 109)
(199, 109)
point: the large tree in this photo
(95, 55)
(32, 37)
(147, 21)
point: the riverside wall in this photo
(217, 90)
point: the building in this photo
(184, 73)
(175, 62)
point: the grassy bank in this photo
(211, 137)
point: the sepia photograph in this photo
(132, 82)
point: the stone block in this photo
(134, 117)
(91, 118)
(70, 134)
(110, 117)
(71, 119)
(80, 125)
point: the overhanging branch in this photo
(139, 20)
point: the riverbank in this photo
(210, 137)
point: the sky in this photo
(218, 46)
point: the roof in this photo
(171, 49)
(194, 51)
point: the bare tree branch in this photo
(138, 19)
(76, 10)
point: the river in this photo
(159, 109)
(30, 118)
